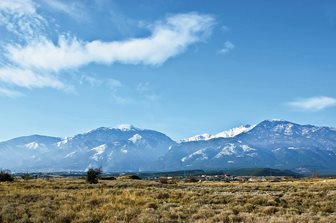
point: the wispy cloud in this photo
(21, 19)
(28, 79)
(228, 47)
(145, 91)
(73, 9)
(10, 93)
(18, 7)
(121, 94)
(111, 83)
(168, 39)
(313, 103)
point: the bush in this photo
(163, 180)
(129, 177)
(167, 180)
(190, 180)
(108, 178)
(92, 175)
(6, 176)
(134, 177)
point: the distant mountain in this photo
(270, 144)
(124, 148)
(26, 152)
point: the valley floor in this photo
(73, 200)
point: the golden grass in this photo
(73, 200)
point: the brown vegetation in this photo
(73, 200)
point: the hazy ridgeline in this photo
(124, 200)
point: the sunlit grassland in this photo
(73, 200)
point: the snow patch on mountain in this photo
(63, 142)
(286, 129)
(99, 150)
(204, 136)
(225, 134)
(246, 148)
(198, 155)
(135, 138)
(70, 154)
(234, 131)
(293, 148)
(227, 151)
(32, 145)
(125, 151)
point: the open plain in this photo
(74, 200)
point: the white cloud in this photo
(10, 93)
(168, 39)
(111, 83)
(93, 82)
(72, 9)
(19, 7)
(20, 18)
(60, 6)
(143, 87)
(314, 103)
(120, 99)
(28, 79)
(146, 92)
(228, 47)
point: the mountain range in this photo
(272, 143)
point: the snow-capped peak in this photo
(125, 127)
(234, 131)
(204, 136)
(276, 120)
(225, 134)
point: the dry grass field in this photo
(73, 200)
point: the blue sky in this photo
(179, 67)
